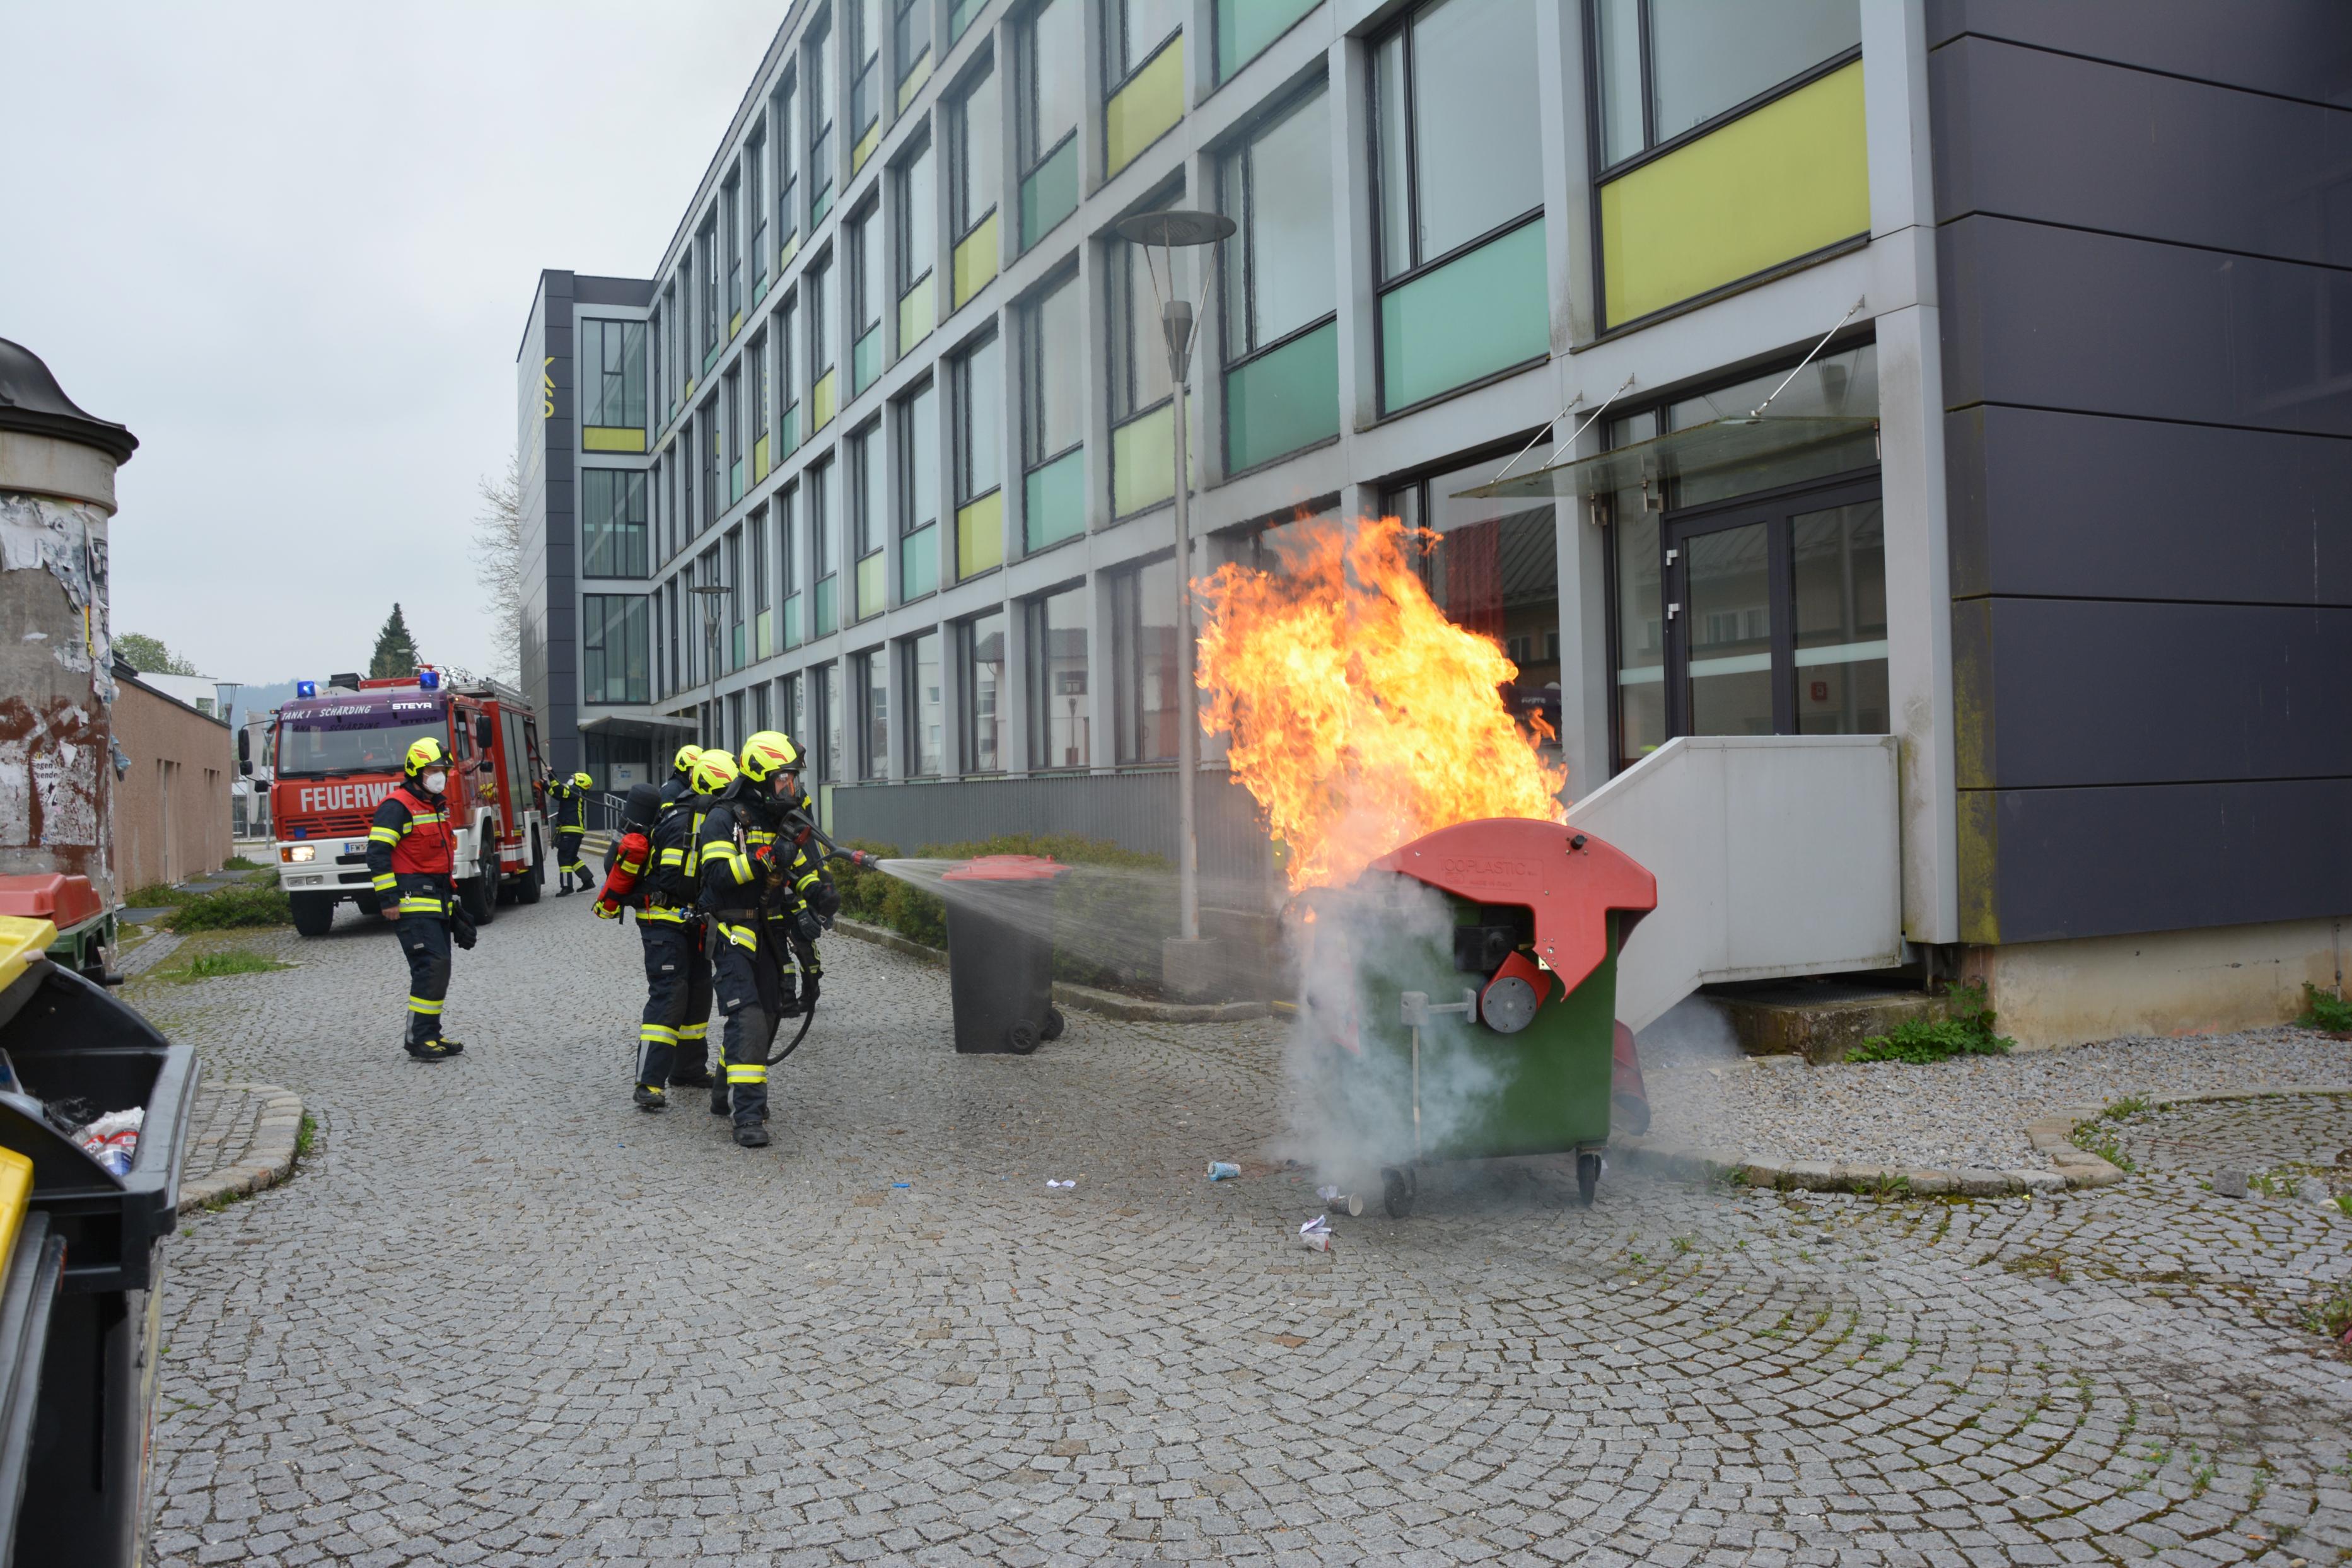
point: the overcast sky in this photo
(292, 247)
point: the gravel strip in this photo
(1966, 1113)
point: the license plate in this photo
(354, 846)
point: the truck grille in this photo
(335, 824)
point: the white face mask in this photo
(435, 781)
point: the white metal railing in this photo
(1775, 855)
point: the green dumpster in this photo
(1463, 992)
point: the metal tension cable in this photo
(1807, 359)
(1563, 413)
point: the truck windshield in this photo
(354, 737)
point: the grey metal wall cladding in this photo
(2102, 692)
(559, 725)
(2094, 863)
(2078, 505)
(2148, 155)
(2301, 49)
(2060, 318)
(634, 292)
(1135, 811)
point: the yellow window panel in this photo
(608, 438)
(759, 460)
(864, 149)
(980, 534)
(916, 309)
(915, 80)
(975, 261)
(1788, 180)
(791, 249)
(820, 400)
(1146, 108)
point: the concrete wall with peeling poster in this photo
(57, 655)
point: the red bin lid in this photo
(1007, 868)
(63, 901)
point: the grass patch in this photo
(305, 1135)
(155, 896)
(231, 961)
(238, 862)
(2330, 1315)
(1968, 1031)
(234, 907)
(2325, 1009)
(2095, 1134)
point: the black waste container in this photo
(1000, 953)
(81, 1054)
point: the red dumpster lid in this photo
(1569, 879)
(61, 900)
(1007, 868)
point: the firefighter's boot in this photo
(751, 1134)
(428, 1050)
(451, 1046)
(651, 1097)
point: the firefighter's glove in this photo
(461, 930)
(808, 992)
(807, 927)
(826, 899)
(606, 909)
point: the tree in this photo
(497, 567)
(395, 650)
(150, 657)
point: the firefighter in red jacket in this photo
(409, 860)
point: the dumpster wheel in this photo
(1052, 1028)
(1399, 1187)
(1588, 1178)
(1022, 1037)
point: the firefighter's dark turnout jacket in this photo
(412, 849)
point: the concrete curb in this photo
(1087, 999)
(2053, 1135)
(267, 1160)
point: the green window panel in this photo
(1284, 400)
(980, 534)
(866, 361)
(828, 612)
(919, 563)
(820, 205)
(735, 481)
(961, 17)
(1143, 460)
(871, 600)
(1479, 313)
(788, 430)
(1054, 501)
(1050, 193)
(1146, 108)
(735, 646)
(1245, 27)
(712, 358)
(759, 282)
(791, 620)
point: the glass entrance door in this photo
(1776, 613)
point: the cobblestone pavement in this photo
(241, 1137)
(501, 1318)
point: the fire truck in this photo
(338, 752)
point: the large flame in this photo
(1359, 716)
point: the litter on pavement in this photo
(1224, 1170)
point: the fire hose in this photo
(798, 824)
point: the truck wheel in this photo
(314, 913)
(480, 890)
(527, 889)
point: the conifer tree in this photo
(395, 650)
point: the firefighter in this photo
(673, 1031)
(743, 885)
(681, 775)
(571, 800)
(801, 866)
(409, 857)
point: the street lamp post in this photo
(1169, 232)
(712, 595)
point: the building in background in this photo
(173, 814)
(1954, 370)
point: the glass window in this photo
(974, 122)
(707, 431)
(980, 642)
(1059, 722)
(1133, 31)
(707, 243)
(616, 351)
(871, 673)
(1140, 378)
(611, 523)
(732, 646)
(755, 201)
(1280, 272)
(865, 281)
(918, 498)
(1459, 141)
(731, 397)
(912, 39)
(788, 544)
(1053, 339)
(1053, 80)
(830, 717)
(1245, 27)
(676, 670)
(1703, 59)
(653, 362)
(825, 528)
(866, 52)
(763, 627)
(979, 420)
(1840, 576)
(613, 648)
(730, 205)
(926, 706)
(788, 387)
(818, 75)
(788, 166)
(918, 229)
(789, 713)
(819, 285)
(865, 481)
(1143, 661)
